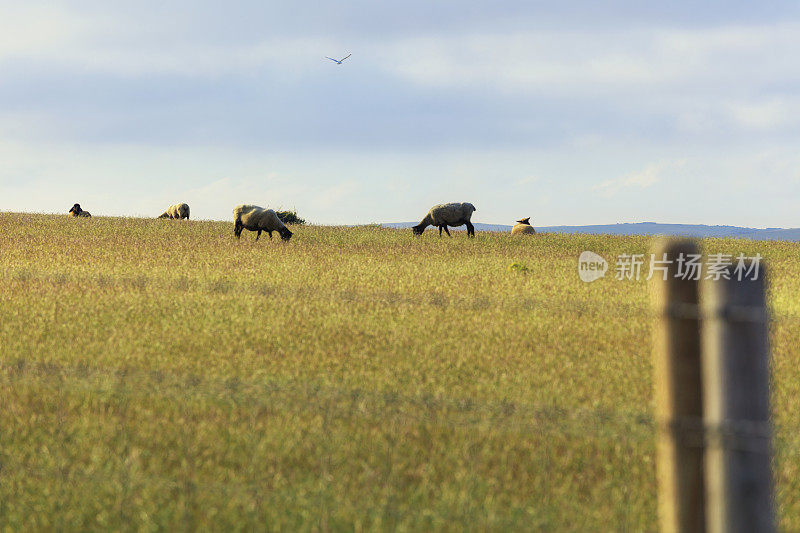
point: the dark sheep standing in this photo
(254, 218)
(443, 215)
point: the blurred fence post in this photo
(736, 404)
(678, 392)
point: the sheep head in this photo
(285, 233)
(418, 229)
(76, 209)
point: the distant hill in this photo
(650, 228)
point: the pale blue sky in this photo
(579, 113)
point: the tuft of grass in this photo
(516, 266)
(160, 376)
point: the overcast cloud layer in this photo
(578, 114)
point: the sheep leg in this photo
(470, 229)
(270, 235)
(237, 229)
(258, 234)
(447, 231)
(440, 231)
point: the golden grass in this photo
(158, 374)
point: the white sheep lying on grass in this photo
(76, 211)
(523, 227)
(254, 218)
(177, 211)
(443, 215)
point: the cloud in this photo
(771, 113)
(638, 180)
(598, 61)
(467, 45)
(334, 195)
(527, 180)
(29, 30)
(168, 74)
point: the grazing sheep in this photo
(254, 218)
(443, 215)
(76, 211)
(523, 227)
(178, 211)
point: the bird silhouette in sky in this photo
(338, 61)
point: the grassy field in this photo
(158, 374)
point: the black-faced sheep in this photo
(523, 227)
(76, 211)
(443, 215)
(254, 218)
(177, 211)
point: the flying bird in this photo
(338, 61)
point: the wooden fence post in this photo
(736, 404)
(678, 392)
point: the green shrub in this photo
(290, 217)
